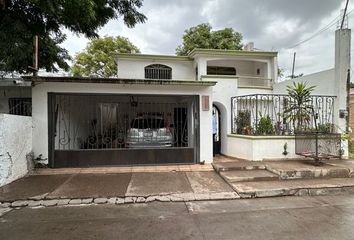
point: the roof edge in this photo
(152, 57)
(221, 52)
(37, 79)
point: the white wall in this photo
(134, 68)
(40, 107)
(258, 148)
(15, 144)
(222, 93)
(324, 82)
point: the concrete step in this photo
(310, 174)
(292, 169)
(303, 187)
(238, 165)
(306, 170)
(248, 175)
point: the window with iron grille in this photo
(20, 106)
(158, 71)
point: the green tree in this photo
(21, 20)
(300, 108)
(98, 57)
(202, 36)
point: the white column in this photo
(275, 69)
(342, 64)
(202, 67)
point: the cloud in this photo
(271, 25)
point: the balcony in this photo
(254, 82)
(243, 81)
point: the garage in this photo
(86, 129)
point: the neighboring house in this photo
(15, 96)
(159, 109)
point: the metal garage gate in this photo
(96, 130)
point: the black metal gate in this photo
(318, 145)
(92, 129)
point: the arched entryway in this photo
(216, 124)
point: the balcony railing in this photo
(254, 82)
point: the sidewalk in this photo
(232, 179)
(116, 188)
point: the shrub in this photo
(265, 126)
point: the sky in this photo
(273, 25)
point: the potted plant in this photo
(265, 126)
(247, 130)
(243, 119)
(325, 128)
(299, 109)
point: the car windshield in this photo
(143, 123)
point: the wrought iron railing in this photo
(268, 114)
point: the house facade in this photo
(181, 109)
(158, 111)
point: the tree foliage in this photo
(20, 20)
(202, 36)
(98, 57)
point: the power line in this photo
(325, 28)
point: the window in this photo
(20, 106)
(213, 70)
(158, 71)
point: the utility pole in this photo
(34, 66)
(345, 12)
(292, 72)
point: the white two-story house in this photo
(165, 109)
(158, 111)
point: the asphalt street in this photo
(325, 217)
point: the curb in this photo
(298, 192)
(178, 197)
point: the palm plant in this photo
(300, 108)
